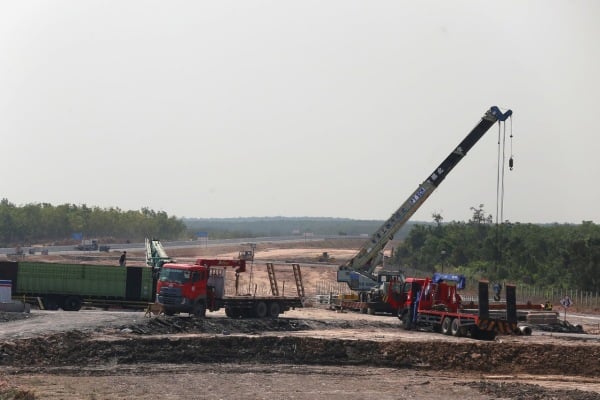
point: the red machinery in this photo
(200, 287)
(433, 302)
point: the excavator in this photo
(359, 272)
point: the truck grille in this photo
(169, 295)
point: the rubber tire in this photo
(406, 321)
(446, 326)
(199, 310)
(456, 329)
(260, 309)
(274, 309)
(72, 303)
(50, 303)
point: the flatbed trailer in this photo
(200, 287)
(437, 305)
(257, 307)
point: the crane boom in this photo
(358, 271)
(156, 255)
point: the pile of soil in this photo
(234, 341)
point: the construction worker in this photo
(123, 259)
(548, 306)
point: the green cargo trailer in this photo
(68, 286)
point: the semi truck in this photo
(70, 286)
(200, 287)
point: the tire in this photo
(260, 309)
(199, 310)
(72, 303)
(274, 309)
(406, 321)
(456, 329)
(51, 303)
(447, 326)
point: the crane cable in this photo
(500, 181)
(502, 168)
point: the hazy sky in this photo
(299, 108)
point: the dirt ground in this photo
(307, 353)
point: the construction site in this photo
(287, 320)
(312, 351)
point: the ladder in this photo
(272, 279)
(298, 278)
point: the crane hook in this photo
(511, 163)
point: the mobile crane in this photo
(359, 272)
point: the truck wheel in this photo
(274, 310)
(260, 309)
(199, 310)
(72, 303)
(447, 326)
(406, 321)
(51, 303)
(456, 329)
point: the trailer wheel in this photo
(447, 326)
(51, 303)
(260, 309)
(72, 303)
(274, 309)
(456, 329)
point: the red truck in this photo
(433, 302)
(200, 287)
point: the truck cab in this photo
(183, 288)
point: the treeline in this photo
(219, 228)
(44, 223)
(557, 255)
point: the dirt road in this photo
(306, 354)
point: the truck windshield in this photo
(174, 275)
